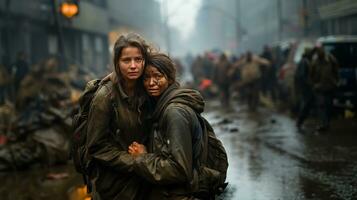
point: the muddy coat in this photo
(113, 124)
(175, 145)
(324, 74)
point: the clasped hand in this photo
(136, 149)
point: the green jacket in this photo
(108, 138)
(324, 74)
(170, 165)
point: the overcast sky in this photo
(182, 14)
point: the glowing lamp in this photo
(69, 10)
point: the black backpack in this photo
(79, 128)
(213, 163)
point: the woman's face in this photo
(131, 63)
(155, 82)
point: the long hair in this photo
(131, 40)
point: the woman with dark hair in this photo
(115, 121)
(175, 143)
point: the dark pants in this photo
(324, 102)
(305, 107)
(224, 93)
(252, 92)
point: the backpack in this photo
(213, 163)
(79, 128)
(250, 72)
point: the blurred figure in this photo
(303, 87)
(208, 65)
(250, 78)
(324, 76)
(269, 79)
(197, 70)
(221, 78)
(234, 75)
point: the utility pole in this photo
(305, 18)
(238, 23)
(6, 59)
(59, 33)
(280, 20)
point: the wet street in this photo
(268, 160)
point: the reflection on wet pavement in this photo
(270, 160)
(79, 193)
(35, 184)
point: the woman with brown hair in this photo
(116, 119)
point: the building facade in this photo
(241, 25)
(38, 29)
(216, 26)
(332, 17)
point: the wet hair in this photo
(129, 40)
(165, 65)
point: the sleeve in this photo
(100, 146)
(176, 166)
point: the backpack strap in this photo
(204, 152)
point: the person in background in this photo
(324, 77)
(222, 80)
(303, 87)
(250, 78)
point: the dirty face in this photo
(155, 82)
(131, 63)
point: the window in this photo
(345, 53)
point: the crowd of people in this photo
(253, 77)
(219, 75)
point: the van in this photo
(344, 49)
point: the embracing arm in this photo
(175, 165)
(101, 147)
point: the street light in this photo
(69, 9)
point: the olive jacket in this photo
(175, 144)
(113, 124)
(324, 74)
